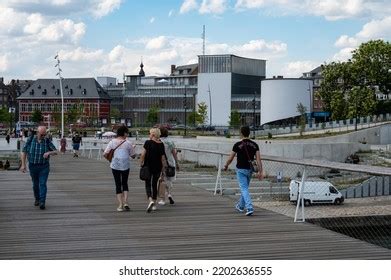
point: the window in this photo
(333, 190)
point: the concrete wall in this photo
(219, 85)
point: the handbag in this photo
(161, 188)
(170, 171)
(109, 156)
(252, 163)
(145, 174)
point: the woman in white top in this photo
(172, 160)
(120, 165)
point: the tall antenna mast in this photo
(203, 40)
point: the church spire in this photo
(141, 73)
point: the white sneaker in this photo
(150, 206)
(120, 208)
(161, 202)
(154, 208)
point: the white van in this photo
(315, 191)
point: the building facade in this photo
(83, 97)
(173, 96)
(280, 98)
(229, 82)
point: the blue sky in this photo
(109, 37)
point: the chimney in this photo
(173, 68)
(2, 79)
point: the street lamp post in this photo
(185, 107)
(210, 107)
(62, 94)
(254, 115)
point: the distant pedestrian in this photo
(38, 150)
(170, 160)
(153, 157)
(7, 138)
(76, 141)
(120, 165)
(245, 150)
(63, 145)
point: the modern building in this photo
(81, 95)
(173, 95)
(229, 82)
(280, 98)
(106, 81)
(116, 91)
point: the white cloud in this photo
(79, 54)
(116, 53)
(171, 13)
(63, 30)
(156, 43)
(261, 46)
(213, 6)
(346, 41)
(10, 21)
(65, 8)
(375, 29)
(187, 6)
(35, 23)
(152, 20)
(330, 9)
(104, 7)
(295, 69)
(35, 27)
(343, 55)
(3, 63)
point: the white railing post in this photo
(300, 198)
(90, 154)
(99, 156)
(218, 178)
(83, 149)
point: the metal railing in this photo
(348, 198)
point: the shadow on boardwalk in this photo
(81, 222)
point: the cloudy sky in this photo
(109, 37)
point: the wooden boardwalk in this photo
(81, 222)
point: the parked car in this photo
(315, 191)
(353, 158)
(165, 125)
(78, 125)
(205, 128)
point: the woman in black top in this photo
(152, 156)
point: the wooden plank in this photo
(81, 222)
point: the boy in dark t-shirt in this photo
(245, 150)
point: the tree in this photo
(337, 82)
(373, 62)
(115, 113)
(56, 115)
(199, 117)
(5, 116)
(301, 109)
(193, 118)
(72, 115)
(153, 115)
(202, 113)
(37, 116)
(234, 119)
(348, 88)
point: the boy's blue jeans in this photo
(39, 174)
(244, 177)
